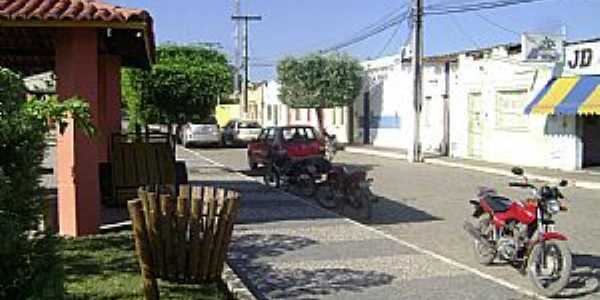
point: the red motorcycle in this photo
(522, 233)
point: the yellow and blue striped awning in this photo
(568, 95)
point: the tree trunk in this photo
(319, 111)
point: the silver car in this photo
(238, 132)
(200, 133)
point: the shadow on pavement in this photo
(262, 204)
(389, 211)
(585, 277)
(247, 256)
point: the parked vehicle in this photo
(293, 142)
(200, 132)
(298, 175)
(523, 233)
(343, 186)
(237, 132)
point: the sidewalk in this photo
(285, 247)
(582, 179)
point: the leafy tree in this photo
(317, 81)
(186, 82)
(29, 258)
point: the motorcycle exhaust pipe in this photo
(471, 230)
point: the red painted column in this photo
(109, 84)
(76, 67)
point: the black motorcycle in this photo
(296, 175)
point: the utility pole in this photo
(416, 154)
(237, 81)
(245, 18)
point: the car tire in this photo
(252, 164)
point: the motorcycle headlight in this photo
(553, 206)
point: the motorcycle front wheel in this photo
(305, 185)
(551, 277)
(272, 178)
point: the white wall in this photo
(391, 95)
(543, 141)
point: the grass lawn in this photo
(105, 267)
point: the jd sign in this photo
(583, 59)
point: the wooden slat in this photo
(207, 243)
(183, 213)
(234, 202)
(195, 233)
(143, 250)
(155, 233)
(141, 162)
(220, 225)
(152, 167)
(168, 235)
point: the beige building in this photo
(256, 96)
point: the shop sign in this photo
(582, 59)
(537, 47)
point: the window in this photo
(334, 114)
(509, 110)
(297, 112)
(342, 116)
(308, 115)
(269, 112)
(298, 134)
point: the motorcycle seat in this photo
(497, 203)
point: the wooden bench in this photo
(183, 239)
(138, 160)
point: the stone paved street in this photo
(286, 248)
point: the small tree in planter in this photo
(29, 259)
(317, 81)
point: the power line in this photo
(489, 21)
(387, 44)
(483, 5)
(397, 20)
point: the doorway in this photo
(476, 126)
(591, 141)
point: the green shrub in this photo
(30, 261)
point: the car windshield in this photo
(298, 134)
(249, 125)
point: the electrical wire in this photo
(478, 6)
(397, 20)
(389, 41)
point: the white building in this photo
(275, 113)
(388, 97)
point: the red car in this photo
(295, 142)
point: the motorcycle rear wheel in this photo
(558, 262)
(485, 255)
(327, 197)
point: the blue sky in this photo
(295, 27)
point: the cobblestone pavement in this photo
(284, 247)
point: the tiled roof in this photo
(68, 10)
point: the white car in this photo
(240, 132)
(200, 133)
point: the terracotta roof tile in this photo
(69, 10)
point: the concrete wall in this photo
(534, 140)
(391, 105)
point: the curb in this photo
(433, 161)
(235, 286)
